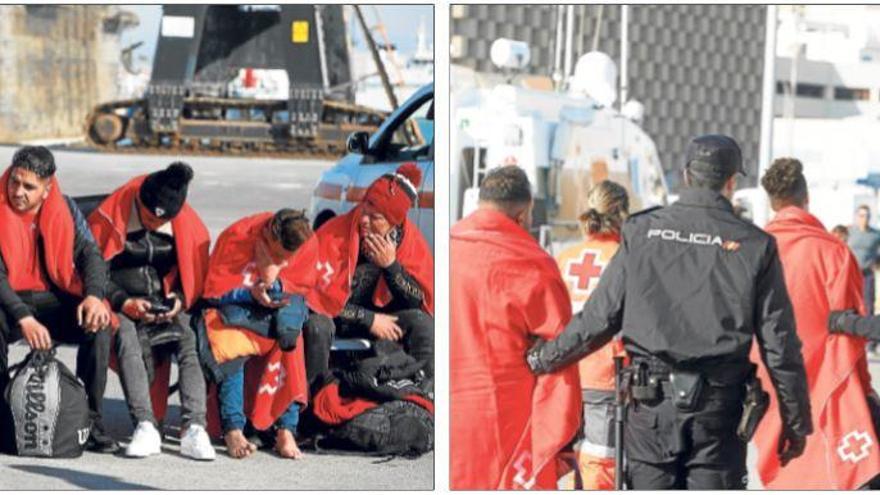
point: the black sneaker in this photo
(101, 442)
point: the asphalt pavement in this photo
(223, 190)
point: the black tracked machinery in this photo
(204, 92)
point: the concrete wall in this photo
(56, 63)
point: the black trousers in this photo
(699, 450)
(319, 331)
(57, 312)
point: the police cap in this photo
(714, 154)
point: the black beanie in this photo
(164, 192)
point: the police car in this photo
(406, 136)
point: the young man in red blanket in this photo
(259, 277)
(376, 278)
(51, 279)
(157, 249)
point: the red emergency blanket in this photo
(338, 244)
(507, 425)
(109, 223)
(821, 275)
(56, 232)
(276, 379)
(334, 409)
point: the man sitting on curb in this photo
(257, 319)
(52, 279)
(157, 248)
(375, 261)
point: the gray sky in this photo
(401, 22)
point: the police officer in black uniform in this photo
(689, 287)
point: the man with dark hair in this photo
(507, 189)
(841, 232)
(380, 278)
(689, 288)
(157, 248)
(252, 332)
(820, 274)
(52, 278)
(864, 241)
(507, 425)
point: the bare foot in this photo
(237, 445)
(285, 445)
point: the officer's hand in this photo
(533, 357)
(36, 335)
(791, 445)
(837, 320)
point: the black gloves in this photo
(533, 358)
(842, 321)
(791, 445)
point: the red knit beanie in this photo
(393, 194)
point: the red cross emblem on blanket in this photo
(326, 272)
(274, 379)
(855, 446)
(523, 466)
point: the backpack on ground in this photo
(50, 411)
(382, 404)
(397, 427)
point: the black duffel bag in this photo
(50, 411)
(397, 427)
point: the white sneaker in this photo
(145, 441)
(196, 444)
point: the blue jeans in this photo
(232, 406)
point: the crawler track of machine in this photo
(228, 126)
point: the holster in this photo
(644, 386)
(755, 406)
(687, 388)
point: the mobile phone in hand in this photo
(158, 308)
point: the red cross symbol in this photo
(855, 446)
(273, 379)
(585, 271)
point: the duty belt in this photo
(648, 381)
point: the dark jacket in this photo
(852, 323)
(237, 308)
(140, 269)
(690, 285)
(283, 324)
(89, 265)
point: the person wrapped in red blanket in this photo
(377, 278)
(821, 274)
(259, 277)
(157, 249)
(52, 280)
(507, 425)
